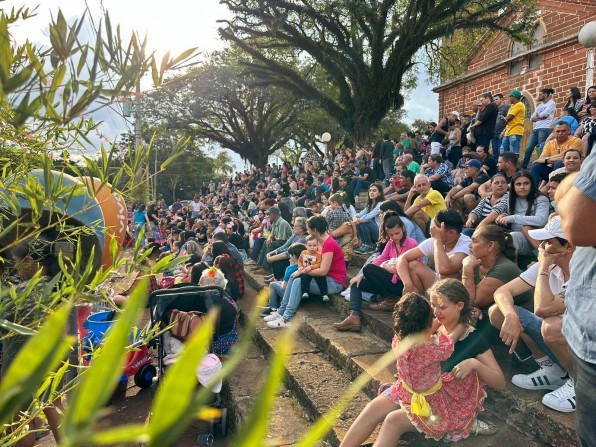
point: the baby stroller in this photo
(188, 297)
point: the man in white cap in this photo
(541, 330)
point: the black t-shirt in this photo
(371, 174)
(237, 241)
(488, 116)
(482, 178)
(491, 163)
(468, 348)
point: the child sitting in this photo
(436, 404)
(310, 259)
(277, 288)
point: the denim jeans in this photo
(540, 171)
(276, 293)
(537, 138)
(359, 185)
(532, 325)
(368, 232)
(293, 295)
(256, 248)
(511, 143)
(483, 140)
(496, 145)
(585, 398)
(138, 228)
(387, 169)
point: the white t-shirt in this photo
(427, 247)
(556, 279)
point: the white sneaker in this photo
(541, 379)
(279, 323)
(345, 292)
(563, 399)
(272, 316)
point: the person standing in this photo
(386, 157)
(514, 124)
(503, 111)
(484, 126)
(542, 119)
(441, 131)
(576, 199)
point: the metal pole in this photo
(589, 68)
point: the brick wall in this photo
(562, 66)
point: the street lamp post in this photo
(326, 138)
(587, 38)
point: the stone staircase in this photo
(324, 362)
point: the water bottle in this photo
(205, 439)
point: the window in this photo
(529, 106)
(535, 60)
(517, 65)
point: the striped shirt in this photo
(484, 207)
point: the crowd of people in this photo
(453, 234)
(449, 215)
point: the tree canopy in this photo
(219, 103)
(367, 48)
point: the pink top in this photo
(338, 270)
(392, 252)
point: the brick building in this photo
(555, 59)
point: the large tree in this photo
(219, 103)
(366, 47)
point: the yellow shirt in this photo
(516, 125)
(437, 203)
(553, 148)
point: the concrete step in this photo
(354, 353)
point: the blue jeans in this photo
(387, 169)
(511, 143)
(275, 294)
(138, 227)
(496, 143)
(293, 295)
(359, 185)
(256, 248)
(537, 138)
(532, 325)
(585, 398)
(368, 232)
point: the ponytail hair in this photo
(496, 234)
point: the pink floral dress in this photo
(454, 406)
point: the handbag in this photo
(184, 324)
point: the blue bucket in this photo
(98, 323)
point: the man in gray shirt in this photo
(576, 203)
(500, 124)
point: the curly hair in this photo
(454, 291)
(412, 315)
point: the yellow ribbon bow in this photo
(418, 405)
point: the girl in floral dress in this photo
(450, 377)
(436, 404)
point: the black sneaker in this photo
(265, 311)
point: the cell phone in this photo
(522, 352)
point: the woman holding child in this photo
(444, 367)
(332, 268)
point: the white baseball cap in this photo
(551, 229)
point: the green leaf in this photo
(254, 429)
(5, 50)
(18, 80)
(123, 434)
(168, 263)
(99, 381)
(174, 406)
(41, 354)
(16, 328)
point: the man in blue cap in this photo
(514, 127)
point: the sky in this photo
(181, 24)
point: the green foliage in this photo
(365, 50)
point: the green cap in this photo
(516, 94)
